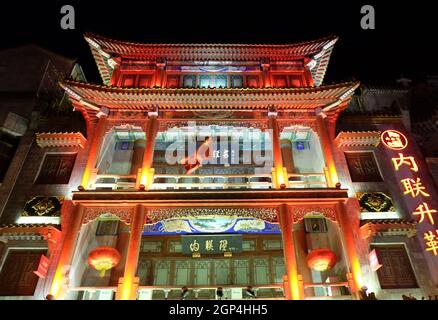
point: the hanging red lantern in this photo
(103, 259)
(321, 259)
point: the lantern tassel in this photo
(102, 273)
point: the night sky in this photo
(403, 43)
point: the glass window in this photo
(236, 81)
(151, 246)
(221, 81)
(272, 244)
(107, 228)
(205, 81)
(248, 245)
(175, 246)
(315, 225)
(189, 81)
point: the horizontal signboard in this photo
(211, 244)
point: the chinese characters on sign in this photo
(412, 187)
(211, 244)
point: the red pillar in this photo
(68, 247)
(128, 285)
(326, 145)
(145, 176)
(96, 143)
(293, 287)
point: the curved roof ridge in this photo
(91, 35)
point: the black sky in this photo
(404, 41)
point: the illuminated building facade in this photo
(207, 165)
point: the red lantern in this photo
(103, 259)
(321, 259)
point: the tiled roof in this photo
(104, 50)
(60, 139)
(93, 97)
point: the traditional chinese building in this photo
(219, 165)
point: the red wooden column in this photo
(349, 227)
(96, 143)
(294, 291)
(279, 173)
(128, 285)
(146, 174)
(326, 143)
(67, 251)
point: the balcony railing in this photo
(210, 181)
(266, 292)
(271, 292)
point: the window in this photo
(315, 225)
(145, 81)
(272, 244)
(221, 81)
(205, 81)
(362, 167)
(189, 81)
(107, 228)
(17, 277)
(236, 81)
(396, 271)
(280, 81)
(8, 146)
(151, 246)
(253, 81)
(56, 168)
(295, 81)
(128, 80)
(172, 81)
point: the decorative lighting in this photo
(103, 259)
(321, 259)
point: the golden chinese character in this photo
(223, 245)
(401, 160)
(422, 210)
(431, 241)
(194, 246)
(209, 245)
(414, 188)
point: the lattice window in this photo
(272, 244)
(205, 81)
(189, 81)
(236, 81)
(221, 81)
(151, 246)
(162, 273)
(56, 169)
(396, 271)
(17, 277)
(363, 167)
